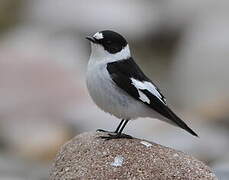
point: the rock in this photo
(88, 157)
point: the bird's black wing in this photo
(127, 75)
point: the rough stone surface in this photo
(88, 157)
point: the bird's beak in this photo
(90, 39)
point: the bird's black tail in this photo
(164, 110)
(180, 123)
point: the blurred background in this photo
(183, 46)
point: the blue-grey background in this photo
(183, 46)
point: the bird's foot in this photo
(116, 136)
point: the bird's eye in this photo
(108, 42)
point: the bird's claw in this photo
(116, 136)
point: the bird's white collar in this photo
(98, 54)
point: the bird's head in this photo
(109, 45)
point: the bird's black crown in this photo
(111, 41)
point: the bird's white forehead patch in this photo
(98, 35)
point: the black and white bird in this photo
(118, 86)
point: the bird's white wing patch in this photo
(143, 97)
(98, 35)
(145, 85)
(152, 89)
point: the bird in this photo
(118, 86)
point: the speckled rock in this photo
(88, 157)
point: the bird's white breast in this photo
(109, 97)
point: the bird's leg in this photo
(118, 134)
(116, 131)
